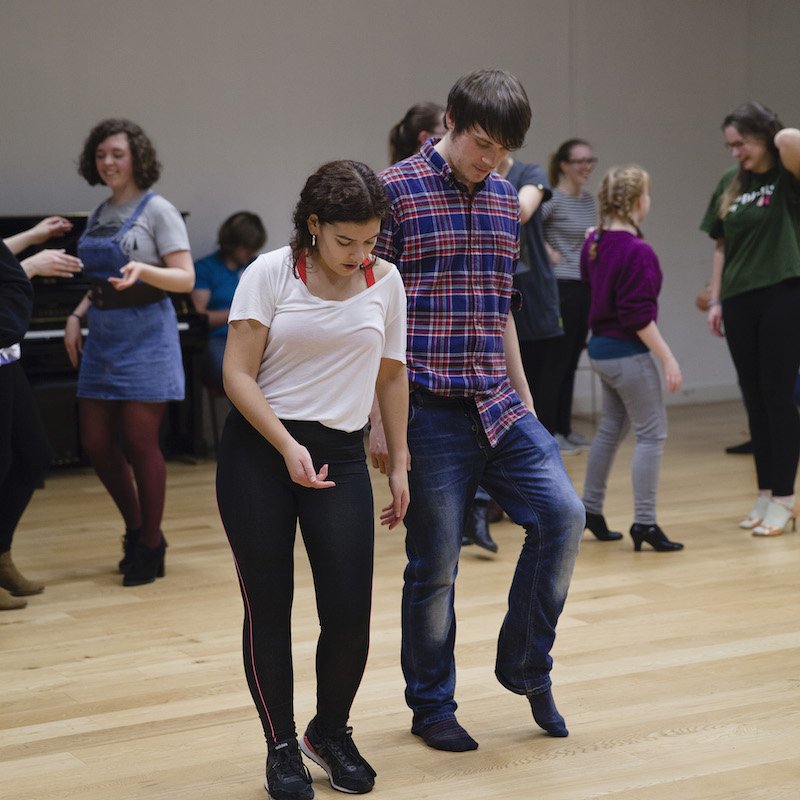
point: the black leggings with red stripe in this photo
(260, 507)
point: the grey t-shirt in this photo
(158, 231)
(565, 220)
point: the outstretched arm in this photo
(40, 232)
(176, 276)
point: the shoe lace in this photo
(344, 750)
(343, 747)
(288, 763)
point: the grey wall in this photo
(244, 98)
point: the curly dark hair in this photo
(146, 166)
(339, 191)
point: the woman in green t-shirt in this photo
(754, 217)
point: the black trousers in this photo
(542, 361)
(25, 452)
(260, 508)
(574, 297)
(763, 332)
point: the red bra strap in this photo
(368, 273)
(301, 269)
(301, 266)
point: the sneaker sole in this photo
(272, 796)
(309, 751)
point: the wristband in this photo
(712, 303)
(77, 317)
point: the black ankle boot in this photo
(596, 523)
(129, 542)
(148, 564)
(477, 528)
(654, 536)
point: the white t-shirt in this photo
(322, 356)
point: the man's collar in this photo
(441, 167)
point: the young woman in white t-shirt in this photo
(316, 329)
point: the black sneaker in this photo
(288, 777)
(338, 756)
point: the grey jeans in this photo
(631, 391)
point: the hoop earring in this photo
(313, 240)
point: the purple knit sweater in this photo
(625, 280)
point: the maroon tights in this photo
(141, 504)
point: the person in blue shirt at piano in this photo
(134, 250)
(240, 238)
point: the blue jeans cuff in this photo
(528, 690)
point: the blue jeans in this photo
(524, 473)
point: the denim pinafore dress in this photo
(130, 353)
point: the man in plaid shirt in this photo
(454, 236)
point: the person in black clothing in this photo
(24, 450)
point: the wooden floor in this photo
(679, 674)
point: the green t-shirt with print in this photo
(761, 230)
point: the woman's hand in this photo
(672, 375)
(714, 320)
(301, 468)
(47, 228)
(131, 273)
(73, 340)
(552, 254)
(393, 514)
(51, 264)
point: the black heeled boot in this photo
(477, 528)
(596, 523)
(129, 542)
(654, 536)
(148, 564)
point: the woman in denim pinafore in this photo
(130, 364)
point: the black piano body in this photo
(54, 379)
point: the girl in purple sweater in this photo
(624, 278)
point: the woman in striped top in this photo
(566, 218)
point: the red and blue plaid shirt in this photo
(456, 252)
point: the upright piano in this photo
(54, 379)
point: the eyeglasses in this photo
(582, 162)
(731, 146)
